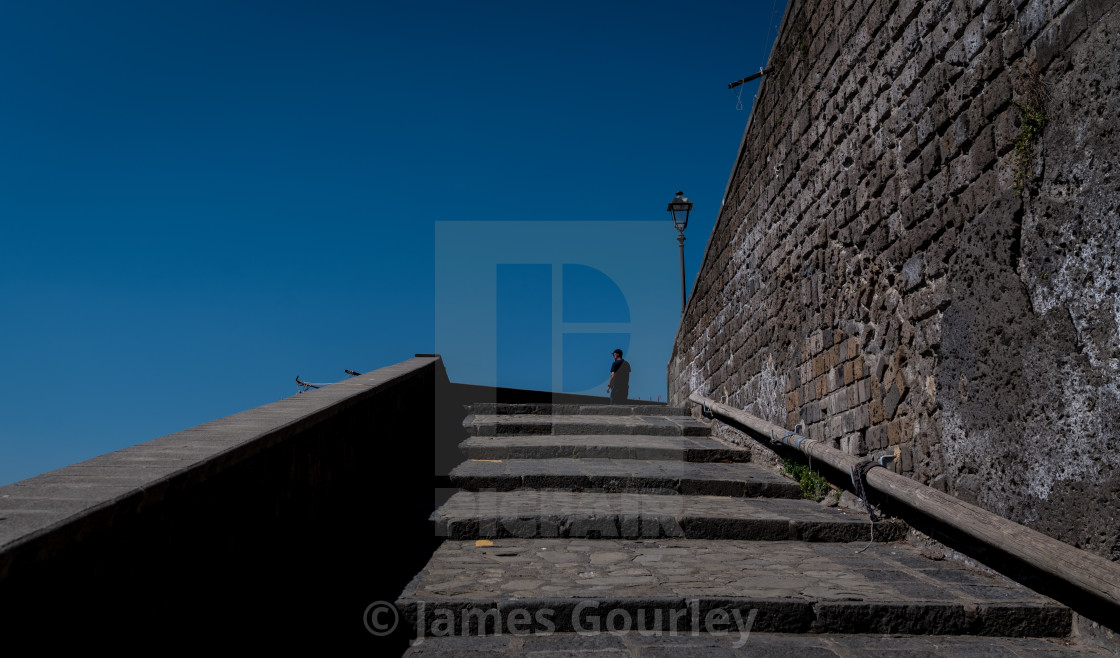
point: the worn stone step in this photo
(733, 642)
(496, 425)
(577, 446)
(545, 409)
(563, 585)
(623, 475)
(530, 514)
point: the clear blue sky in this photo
(201, 200)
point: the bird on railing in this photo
(305, 386)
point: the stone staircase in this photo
(619, 531)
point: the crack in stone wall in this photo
(874, 277)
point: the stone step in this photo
(530, 514)
(623, 475)
(496, 425)
(576, 446)
(734, 642)
(564, 585)
(503, 409)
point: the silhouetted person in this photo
(618, 386)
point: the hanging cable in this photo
(761, 70)
(858, 473)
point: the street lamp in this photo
(679, 207)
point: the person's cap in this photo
(618, 352)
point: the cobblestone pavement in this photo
(790, 586)
(735, 644)
(890, 573)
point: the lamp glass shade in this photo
(679, 207)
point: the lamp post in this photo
(679, 208)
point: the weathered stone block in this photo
(876, 411)
(852, 443)
(931, 162)
(989, 63)
(890, 402)
(1074, 23)
(833, 355)
(1048, 45)
(893, 434)
(982, 155)
(956, 56)
(816, 431)
(906, 429)
(973, 38)
(1095, 9)
(876, 437)
(927, 336)
(906, 457)
(996, 16)
(902, 17)
(900, 381)
(862, 418)
(1032, 18)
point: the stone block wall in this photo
(918, 251)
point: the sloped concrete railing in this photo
(263, 524)
(1085, 572)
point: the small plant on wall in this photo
(1032, 119)
(1032, 102)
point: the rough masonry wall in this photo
(908, 260)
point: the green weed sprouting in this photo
(1032, 119)
(813, 486)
